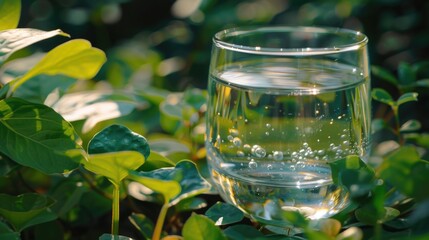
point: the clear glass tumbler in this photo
(283, 103)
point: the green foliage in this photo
(53, 187)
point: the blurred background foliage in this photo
(158, 48)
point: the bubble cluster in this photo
(258, 151)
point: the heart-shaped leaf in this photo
(383, 96)
(117, 138)
(15, 39)
(36, 136)
(224, 213)
(75, 58)
(199, 227)
(10, 12)
(114, 165)
(168, 188)
(156, 161)
(26, 210)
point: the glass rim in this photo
(354, 45)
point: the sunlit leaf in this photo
(224, 213)
(10, 12)
(26, 210)
(407, 97)
(75, 58)
(36, 136)
(95, 106)
(158, 183)
(184, 173)
(384, 74)
(155, 161)
(351, 162)
(383, 96)
(117, 138)
(143, 224)
(15, 39)
(329, 226)
(114, 165)
(199, 227)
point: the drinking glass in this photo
(284, 102)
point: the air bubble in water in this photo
(268, 125)
(292, 167)
(343, 136)
(246, 148)
(267, 133)
(270, 167)
(237, 141)
(346, 143)
(321, 152)
(240, 154)
(300, 165)
(278, 155)
(258, 151)
(253, 164)
(233, 132)
(230, 137)
(305, 145)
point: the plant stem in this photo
(160, 222)
(115, 209)
(377, 231)
(397, 124)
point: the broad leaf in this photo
(168, 188)
(224, 213)
(156, 161)
(199, 227)
(383, 96)
(26, 210)
(75, 58)
(10, 12)
(353, 233)
(36, 136)
(190, 204)
(67, 195)
(351, 162)
(407, 97)
(143, 224)
(114, 165)
(184, 173)
(238, 232)
(397, 167)
(15, 39)
(117, 138)
(410, 125)
(422, 83)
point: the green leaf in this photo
(189, 204)
(108, 236)
(34, 135)
(143, 224)
(241, 231)
(406, 74)
(8, 234)
(352, 233)
(156, 161)
(422, 83)
(168, 188)
(15, 39)
(67, 195)
(224, 213)
(407, 97)
(185, 174)
(117, 138)
(199, 227)
(6, 165)
(114, 165)
(26, 210)
(10, 12)
(419, 176)
(75, 58)
(410, 125)
(383, 96)
(351, 162)
(397, 167)
(378, 125)
(384, 75)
